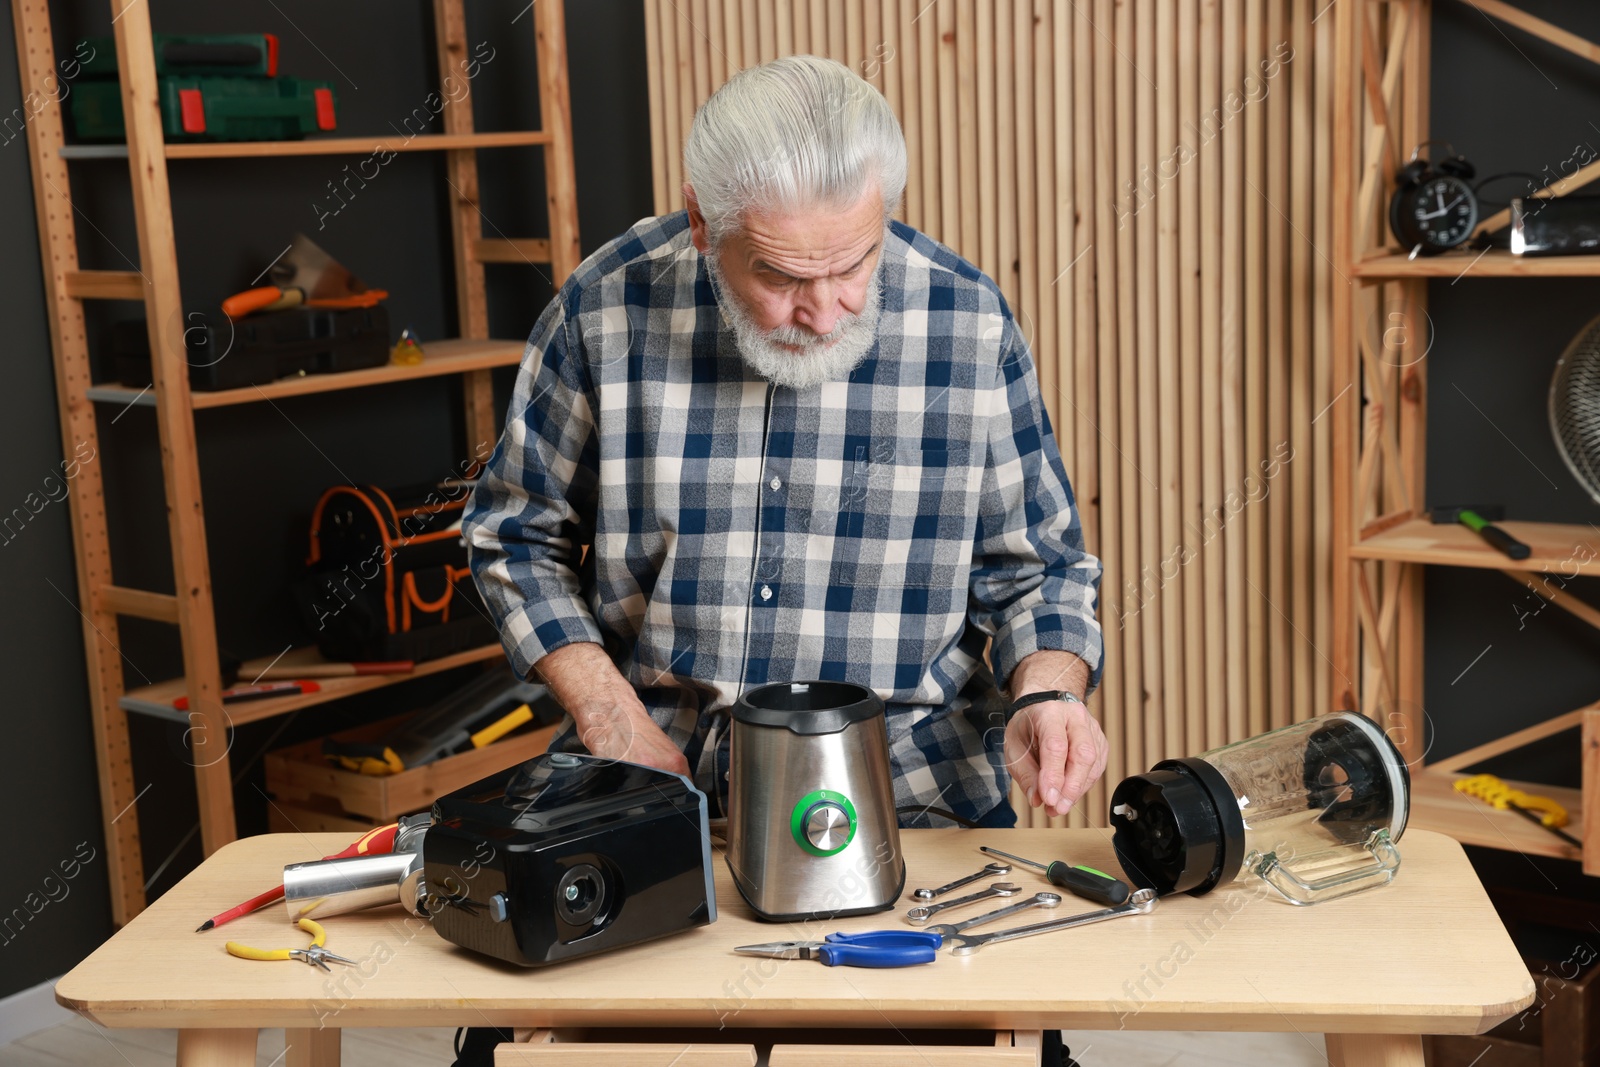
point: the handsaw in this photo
(305, 274)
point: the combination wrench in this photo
(1140, 903)
(919, 915)
(1038, 900)
(993, 868)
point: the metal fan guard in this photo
(1575, 407)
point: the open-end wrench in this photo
(1141, 902)
(919, 915)
(993, 868)
(1038, 900)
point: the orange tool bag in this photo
(388, 575)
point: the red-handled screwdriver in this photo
(372, 842)
(1086, 882)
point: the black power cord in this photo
(938, 813)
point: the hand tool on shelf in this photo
(1086, 882)
(388, 756)
(1038, 900)
(1481, 520)
(316, 955)
(1541, 811)
(335, 670)
(264, 691)
(876, 948)
(372, 758)
(1142, 902)
(304, 274)
(370, 843)
(992, 869)
(922, 913)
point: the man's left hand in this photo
(1055, 752)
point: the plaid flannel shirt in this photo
(876, 530)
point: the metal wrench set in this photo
(902, 948)
(1141, 902)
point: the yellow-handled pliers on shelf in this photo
(315, 955)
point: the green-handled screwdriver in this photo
(1086, 882)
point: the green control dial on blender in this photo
(823, 822)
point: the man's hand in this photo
(612, 723)
(617, 731)
(1055, 752)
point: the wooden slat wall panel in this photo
(1079, 278)
(1114, 606)
(1190, 586)
(1148, 183)
(1210, 500)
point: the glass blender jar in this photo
(1313, 809)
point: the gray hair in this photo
(798, 132)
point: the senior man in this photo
(800, 441)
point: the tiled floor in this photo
(84, 1044)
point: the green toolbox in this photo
(236, 55)
(213, 109)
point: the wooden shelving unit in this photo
(1493, 263)
(157, 699)
(326, 146)
(1381, 531)
(1558, 548)
(457, 356)
(101, 600)
(1435, 805)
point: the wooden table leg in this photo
(312, 1048)
(1374, 1050)
(217, 1048)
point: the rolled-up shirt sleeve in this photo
(534, 505)
(1033, 585)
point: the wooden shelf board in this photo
(1557, 547)
(1435, 805)
(157, 699)
(1496, 263)
(443, 357)
(319, 146)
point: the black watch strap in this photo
(1040, 698)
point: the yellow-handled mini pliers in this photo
(315, 955)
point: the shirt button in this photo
(775, 484)
(766, 592)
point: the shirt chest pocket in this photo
(906, 521)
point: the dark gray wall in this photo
(1509, 103)
(45, 758)
(262, 465)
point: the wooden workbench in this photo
(1426, 954)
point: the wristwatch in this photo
(1040, 698)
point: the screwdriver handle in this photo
(1088, 883)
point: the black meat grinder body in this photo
(568, 855)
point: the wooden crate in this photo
(309, 793)
(778, 1048)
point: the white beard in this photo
(821, 357)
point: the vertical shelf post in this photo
(466, 227)
(58, 248)
(180, 460)
(555, 117)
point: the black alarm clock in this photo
(1433, 208)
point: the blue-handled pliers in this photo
(876, 948)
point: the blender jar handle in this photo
(1304, 891)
